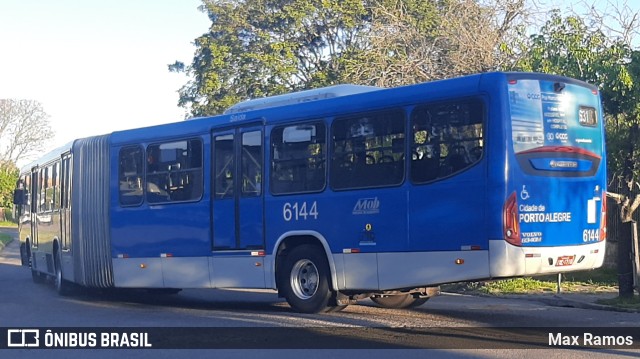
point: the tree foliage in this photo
(591, 52)
(569, 47)
(24, 131)
(257, 48)
(415, 41)
(8, 177)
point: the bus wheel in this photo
(398, 301)
(24, 255)
(62, 286)
(305, 280)
(36, 276)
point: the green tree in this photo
(24, 132)
(257, 48)
(8, 177)
(570, 47)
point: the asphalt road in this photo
(458, 325)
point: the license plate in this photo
(565, 261)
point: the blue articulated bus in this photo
(331, 195)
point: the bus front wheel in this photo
(398, 301)
(305, 280)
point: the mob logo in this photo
(367, 206)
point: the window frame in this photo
(233, 137)
(467, 99)
(388, 111)
(168, 172)
(323, 158)
(142, 176)
(259, 161)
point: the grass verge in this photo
(595, 281)
(603, 280)
(5, 238)
(8, 224)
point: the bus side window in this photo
(44, 184)
(368, 150)
(174, 171)
(447, 139)
(130, 175)
(251, 163)
(298, 158)
(224, 166)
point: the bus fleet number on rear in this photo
(590, 235)
(296, 211)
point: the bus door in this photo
(65, 210)
(238, 204)
(35, 202)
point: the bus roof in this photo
(313, 104)
(49, 156)
(300, 97)
(367, 100)
(337, 100)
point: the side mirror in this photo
(19, 196)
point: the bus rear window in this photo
(551, 115)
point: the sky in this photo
(99, 66)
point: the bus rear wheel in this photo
(305, 280)
(24, 255)
(63, 287)
(398, 301)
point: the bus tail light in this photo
(603, 218)
(511, 226)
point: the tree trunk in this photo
(625, 266)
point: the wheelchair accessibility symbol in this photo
(524, 194)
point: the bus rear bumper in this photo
(506, 260)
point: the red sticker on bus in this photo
(565, 261)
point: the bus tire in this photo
(305, 280)
(24, 255)
(36, 276)
(398, 301)
(63, 287)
